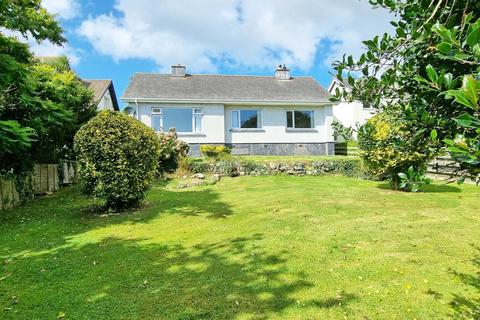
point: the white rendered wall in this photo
(274, 126)
(352, 114)
(106, 102)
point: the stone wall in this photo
(275, 149)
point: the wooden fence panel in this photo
(7, 187)
(44, 179)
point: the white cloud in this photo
(247, 33)
(65, 9)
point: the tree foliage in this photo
(30, 19)
(415, 72)
(41, 107)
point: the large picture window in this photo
(183, 120)
(300, 119)
(246, 119)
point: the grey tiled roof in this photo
(99, 87)
(224, 88)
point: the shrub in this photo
(339, 130)
(185, 164)
(117, 157)
(387, 149)
(171, 151)
(412, 180)
(215, 152)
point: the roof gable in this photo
(99, 87)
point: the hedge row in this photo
(238, 167)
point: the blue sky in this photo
(113, 39)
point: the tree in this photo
(410, 72)
(30, 19)
(41, 107)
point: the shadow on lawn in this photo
(120, 278)
(93, 267)
(431, 188)
(467, 305)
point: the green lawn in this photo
(247, 248)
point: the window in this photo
(184, 120)
(246, 119)
(300, 119)
(157, 119)
(197, 120)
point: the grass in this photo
(273, 247)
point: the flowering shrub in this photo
(386, 149)
(171, 151)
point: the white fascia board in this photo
(232, 102)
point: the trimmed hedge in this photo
(117, 157)
(237, 167)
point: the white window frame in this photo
(239, 117)
(156, 111)
(197, 113)
(312, 112)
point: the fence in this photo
(44, 179)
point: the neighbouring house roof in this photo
(337, 83)
(54, 61)
(224, 89)
(99, 87)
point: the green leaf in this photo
(448, 79)
(432, 74)
(410, 171)
(467, 120)
(433, 135)
(444, 47)
(474, 37)
(402, 176)
(471, 88)
(443, 32)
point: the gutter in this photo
(231, 102)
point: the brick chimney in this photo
(282, 73)
(179, 71)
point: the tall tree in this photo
(41, 107)
(410, 72)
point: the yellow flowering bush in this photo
(386, 150)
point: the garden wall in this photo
(45, 178)
(240, 167)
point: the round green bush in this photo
(117, 157)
